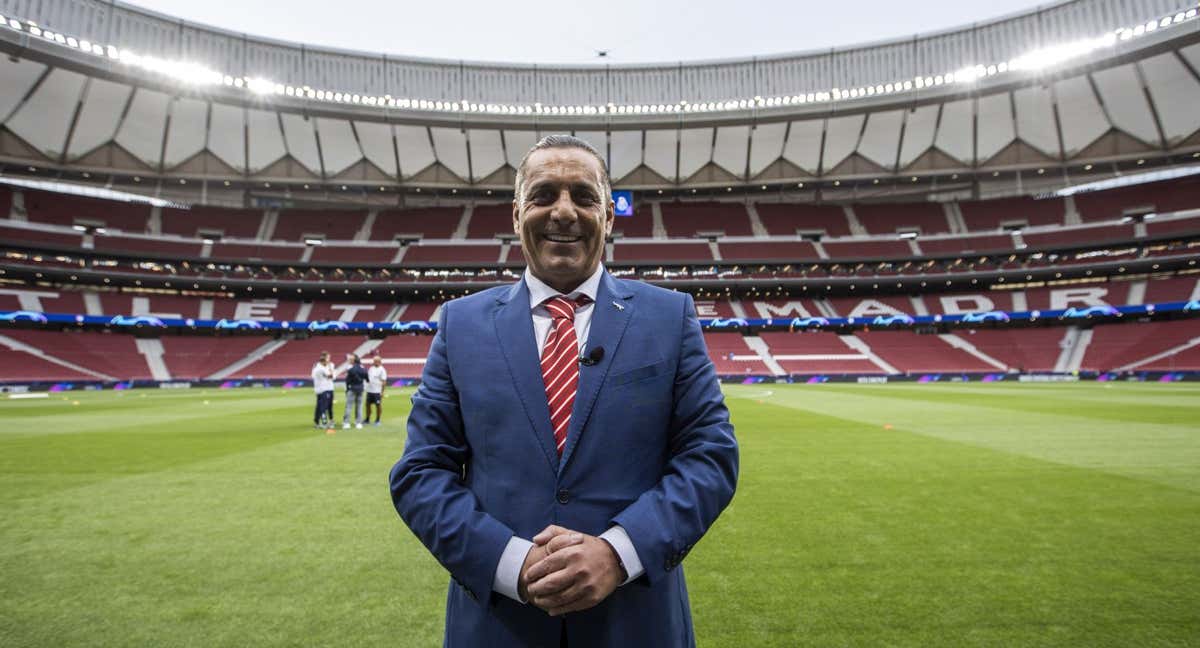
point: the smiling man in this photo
(568, 444)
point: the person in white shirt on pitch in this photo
(376, 380)
(322, 377)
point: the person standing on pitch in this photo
(322, 377)
(376, 380)
(356, 378)
(568, 444)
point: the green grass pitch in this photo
(901, 515)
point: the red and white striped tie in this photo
(560, 365)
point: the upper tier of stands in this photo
(690, 219)
(991, 215)
(862, 232)
(926, 218)
(786, 219)
(229, 223)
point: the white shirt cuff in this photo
(619, 539)
(508, 571)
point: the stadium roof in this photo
(106, 88)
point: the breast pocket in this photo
(637, 375)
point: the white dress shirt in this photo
(508, 572)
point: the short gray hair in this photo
(562, 141)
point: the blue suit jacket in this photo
(649, 447)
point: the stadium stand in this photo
(1026, 350)
(640, 225)
(200, 219)
(1166, 196)
(1174, 226)
(786, 219)
(488, 221)
(46, 301)
(1118, 347)
(37, 237)
(21, 366)
(960, 245)
(67, 210)
(463, 253)
(659, 252)
(926, 218)
(429, 223)
(912, 353)
(682, 219)
(868, 249)
(1079, 236)
(732, 356)
(1172, 289)
(353, 254)
(404, 355)
(986, 215)
(109, 354)
(198, 357)
(814, 353)
(256, 252)
(789, 251)
(5, 201)
(327, 224)
(159, 247)
(296, 357)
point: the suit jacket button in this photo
(563, 496)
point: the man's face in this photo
(377, 361)
(563, 216)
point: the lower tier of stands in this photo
(1140, 346)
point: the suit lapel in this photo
(514, 334)
(609, 319)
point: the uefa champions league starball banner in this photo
(890, 321)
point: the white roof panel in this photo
(695, 150)
(227, 135)
(142, 131)
(625, 152)
(730, 151)
(376, 141)
(955, 131)
(803, 147)
(16, 77)
(881, 138)
(918, 133)
(995, 125)
(450, 146)
(1082, 118)
(301, 138)
(598, 140)
(1035, 119)
(44, 119)
(339, 148)
(660, 152)
(1176, 95)
(516, 144)
(266, 140)
(766, 145)
(841, 138)
(412, 144)
(97, 122)
(1127, 106)
(186, 131)
(487, 153)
